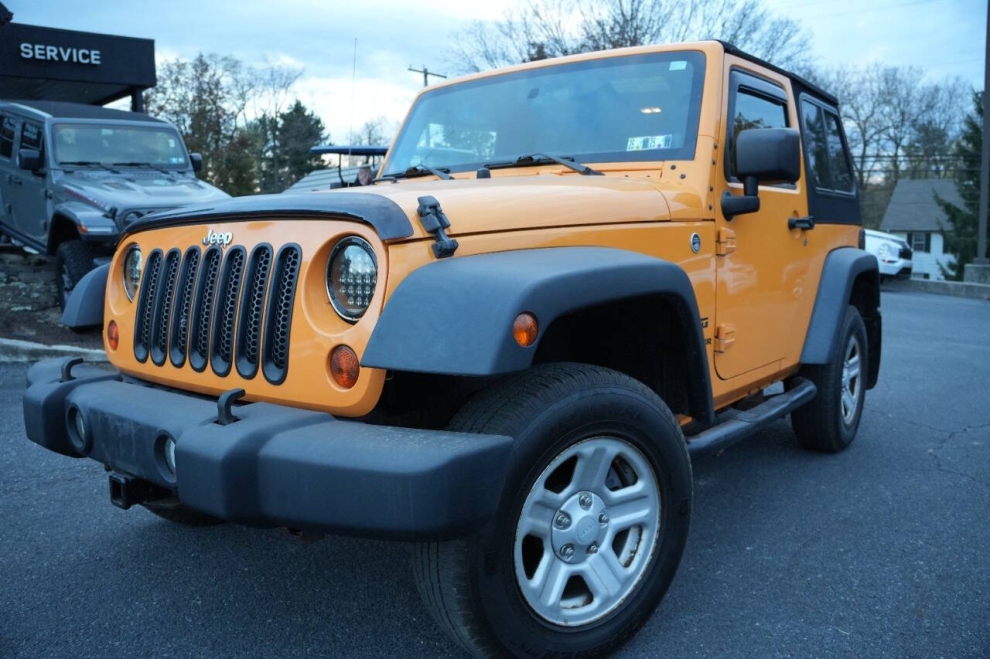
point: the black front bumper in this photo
(275, 465)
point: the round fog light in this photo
(80, 424)
(78, 430)
(169, 450)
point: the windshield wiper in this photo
(141, 164)
(421, 170)
(88, 163)
(533, 159)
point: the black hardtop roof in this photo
(807, 85)
(64, 110)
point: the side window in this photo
(32, 137)
(827, 156)
(842, 179)
(752, 109)
(816, 146)
(7, 130)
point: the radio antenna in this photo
(350, 128)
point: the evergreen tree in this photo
(300, 131)
(962, 224)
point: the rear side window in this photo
(816, 146)
(838, 159)
(828, 158)
(7, 130)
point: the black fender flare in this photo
(84, 308)
(454, 316)
(842, 268)
(91, 223)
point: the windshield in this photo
(618, 109)
(104, 144)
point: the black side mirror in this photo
(197, 162)
(29, 159)
(763, 155)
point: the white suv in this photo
(892, 252)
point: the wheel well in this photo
(642, 337)
(865, 296)
(62, 229)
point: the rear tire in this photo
(73, 259)
(830, 421)
(175, 512)
(552, 573)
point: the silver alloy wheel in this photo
(587, 531)
(851, 380)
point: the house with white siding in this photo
(913, 215)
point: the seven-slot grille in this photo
(218, 308)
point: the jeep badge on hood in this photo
(214, 238)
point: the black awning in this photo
(38, 63)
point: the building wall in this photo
(926, 263)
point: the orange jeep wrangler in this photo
(570, 278)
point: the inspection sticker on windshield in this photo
(649, 142)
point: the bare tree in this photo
(540, 29)
(374, 132)
(206, 98)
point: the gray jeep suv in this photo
(73, 176)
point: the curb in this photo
(953, 288)
(15, 350)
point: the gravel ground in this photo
(28, 302)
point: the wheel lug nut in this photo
(585, 500)
(567, 551)
(563, 521)
(593, 548)
(603, 518)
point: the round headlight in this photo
(133, 265)
(884, 251)
(352, 274)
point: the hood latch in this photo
(434, 221)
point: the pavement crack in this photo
(900, 419)
(933, 451)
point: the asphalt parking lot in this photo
(882, 551)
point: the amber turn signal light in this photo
(525, 329)
(113, 335)
(344, 366)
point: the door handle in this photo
(13, 180)
(804, 223)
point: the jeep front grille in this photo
(218, 309)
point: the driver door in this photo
(30, 203)
(760, 275)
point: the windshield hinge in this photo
(725, 242)
(434, 221)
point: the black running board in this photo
(744, 424)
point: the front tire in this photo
(830, 421)
(73, 259)
(591, 525)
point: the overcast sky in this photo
(945, 37)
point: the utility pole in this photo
(981, 242)
(427, 73)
